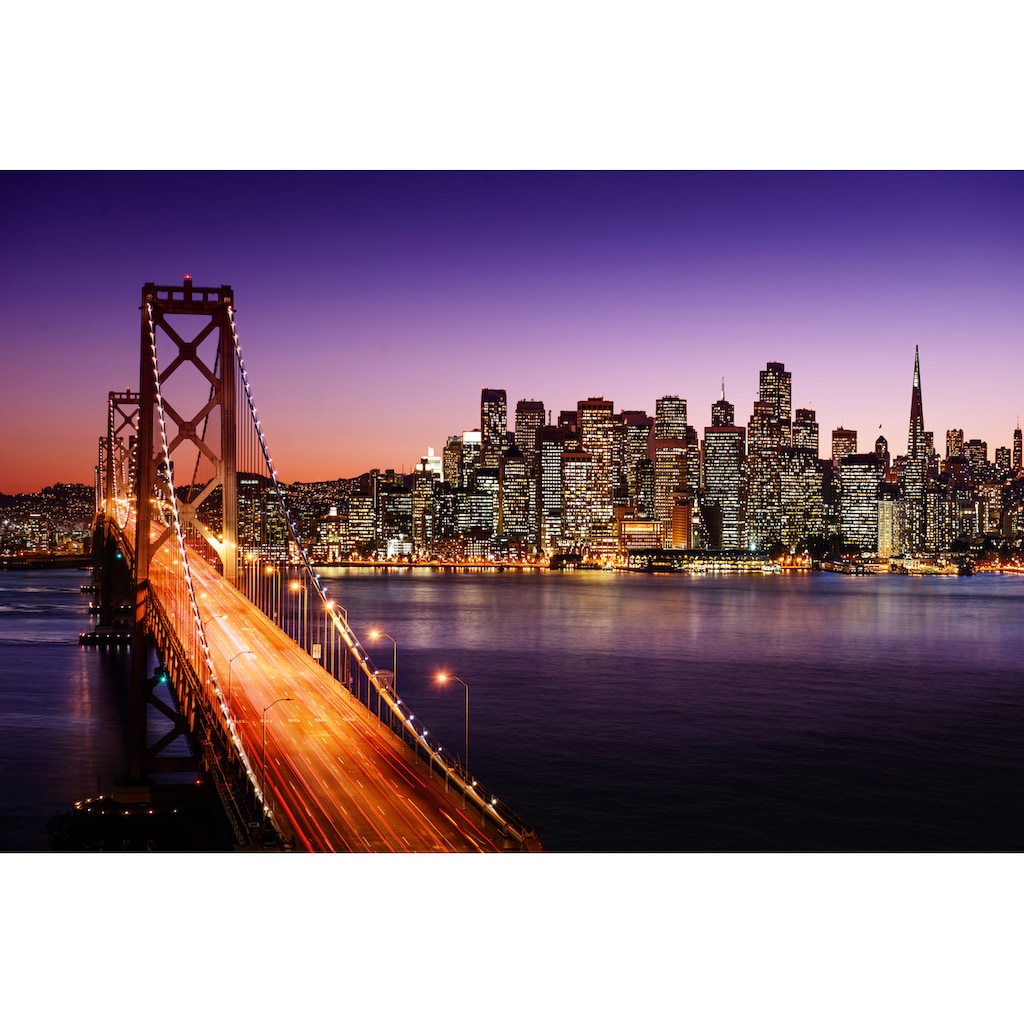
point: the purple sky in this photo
(373, 307)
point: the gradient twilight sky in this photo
(373, 307)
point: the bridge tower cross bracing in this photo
(214, 306)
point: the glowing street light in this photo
(230, 662)
(443, 678)
(376, 634)
(263, 756)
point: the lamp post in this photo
(302, 625)
(230, 663)
(263, 755)
(443, 678)
(376, 634)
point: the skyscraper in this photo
(669, 456)
(777, 390)
(493, 427)
(915, 471)
(844, 442)
(596, 424)
(1018, 448)
(723, 413)
(529, 420)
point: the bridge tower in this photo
(164, 309)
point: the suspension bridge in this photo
(196, 558)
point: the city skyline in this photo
(399, 296)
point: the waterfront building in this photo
(493, 426)
(549, 486)
(859, 477)
(764, 476)
(577, 491)
(669, 457)
(425, 481)
(595, 430)
(891, 521)
(916, 470)
(722, 472)
(362, 522)
(516, 517)
(803, 506)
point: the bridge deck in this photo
(336, 779)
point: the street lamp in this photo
(376, 634)
(300, 593)
(263, 756)
(443, 678)
(230, 662)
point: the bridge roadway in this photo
(335, 778)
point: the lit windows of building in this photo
(529, 420)
(844, 443)
(776, 389)
(859, 477)
(493, 427)
(723, 483)
(595, 428)
(670, 417)
(977, 454)
(764, 477)
(470, 449)
(515, 515)
(549, 486)
(577, 495)
(954, 443)
(805, 431)
(723, 413)
(451, 461)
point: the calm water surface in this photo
(623, 712)
(627, 713)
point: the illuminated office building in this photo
(859, 477)
(723, 484)
(723, 413)
(515, 504)
(493, 427)
(764, 476)
(595, 428)
(529, 420)
(844, 443)
(916, 468)
(776, 389)
(549, 486)
(577, 504)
